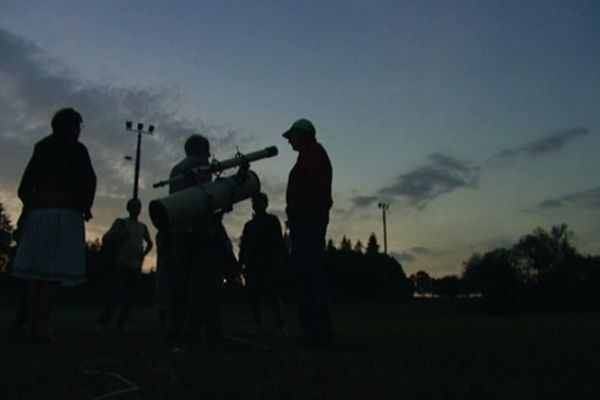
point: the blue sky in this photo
(476, 120)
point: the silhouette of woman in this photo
(57, 191)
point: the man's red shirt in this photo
(309, 183)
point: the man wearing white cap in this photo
(308, 203)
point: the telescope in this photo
(220, 166)
(191, 207)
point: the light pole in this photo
(384, 207)
(139, 130)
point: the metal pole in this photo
(384, 208)
(385, 251)
(137, 165)
(139, 130)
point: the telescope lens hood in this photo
(159, 215)
(271, 151)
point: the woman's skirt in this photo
(52, 247)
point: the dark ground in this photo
(428, 349)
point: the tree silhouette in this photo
(330, 246)
(6, 240)
(372, 245)
(494, 276)
(542, 271)
(447, 286)
(358, 247)
(355, 275)
(542, 255)
(346, 244)
(422, 282)
(556, 273)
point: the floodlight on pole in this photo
(139, 130)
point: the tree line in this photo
(356, 272)
(360, 272)
(543, 270)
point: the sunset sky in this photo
(477, 121)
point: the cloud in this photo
(544, 145)
(485, 245)
(443, 174)
(421, 250)
(589, 198)
(364, 201)
(413, 254)
(550, 203)
(403, 256)
(34, 86)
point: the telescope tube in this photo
(192, 206)
(219, 166)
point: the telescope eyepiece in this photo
(271, 151)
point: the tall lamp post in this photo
(384, 207)
(139, 129)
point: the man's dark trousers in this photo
(307, 237)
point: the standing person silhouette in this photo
(262, 254)
(196, 271)
(309, 200)
(131, 235)
(57, 190)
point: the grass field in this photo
(423, 350)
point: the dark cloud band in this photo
(442, 175)
(589, 199)
(544, 145)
